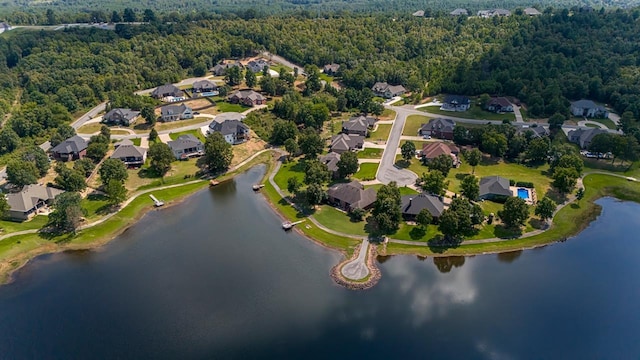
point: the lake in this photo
(216, 278)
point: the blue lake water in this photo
(216, 278)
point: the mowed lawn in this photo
(196, 133)
(381, 133)
(475, 112)
(370, 153)
(367, 171)
(229, 107)
(413, 124)
(337, 220)
(288, 170)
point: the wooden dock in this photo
(288, 225)
(156, 202)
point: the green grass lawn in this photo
(290, 169)
(381, 133)
(606, 122)
(229, 107)
(475, 112)
(403, 190)
(339, 221)
(413, 124)
(96, 205)
(418, 144)
(36, 222)
(136, 141)
(327, 78)
(370, 153)
(197, 133)
(592, 126)
(388, 114)
(367, 171)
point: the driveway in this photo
(518, 114)
(387, 172)
(165, 138)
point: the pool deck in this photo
(532, 199)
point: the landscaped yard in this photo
(337, 220)
(413, 124)
(180, 170)
(388, 114)
(136, 141)
(381, 133)
(229, 107)
(89, 128)
(367, 171)
(37, 222)
(180, 123)
(370, 153)
(290, 169)
(606, 122)
(197, 133)
(475, 112)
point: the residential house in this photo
(358, 125)
(351, 196)
(186, 146)
(499, 105)
(124, 117)
(459, 12)
(167, 90)
(73, 148)
(493, 13)
(418, 13)
(331, 160)
(531, 11)
(229, 116)
(24, 205)
(432, 150)
(583, 136)
(4, 27)
(233, 131)
(534, 131)
(170, 113)
(343, 142)
(456, 103)
(411, 205)
(331, 69)
(438, 128)
(587, 108)
(247, 97)
(221, 69)
(495, 188)
(130, 154)
(388, 91)
(258, 65)
(204, 86)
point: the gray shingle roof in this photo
(344, 142)
(583, 136)
(204, 84)
(248, 94)
(30, 195)
(353, 194)
(457, 99)
(124, 151)
(183, 142)
(495, 185)
(331, 160)
(439, 124)
(413, 204)
(228, 127)
(173, 109)
(74, 144)
(124, 113)
(359, 123)
(166, 89)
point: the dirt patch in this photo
(243, 151)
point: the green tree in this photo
(9, 140)
(386, 214)
(515, 212)
(469, 187)
(38, 157)
(580, 194)
(106, 132)
(153, 135)
(448, 224)
(21, 173)
(545, 208)
(218, 153)
(473, 158)
(565, 179)
(313, 83)
(4, 206)
(129, 15)
(442, 163)
(538, 150)
(160, 157)
(494, 143)
(424, 218)
(293, 185)
(116, 192)
(292, 147)
(250, 78)
(283, 131)
(84, 166)
(348, 164)
(315, 194)
(112, 169)
(67, 212)
(316, 172)
(69, 179)
(434, 182)
(571, 161)
(408, 150)
(148, 114)
(96, 151)
(310, 143)
(357, 214)
(233, 76)
(62, 133)
(556, 121)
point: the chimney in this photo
(410, 200)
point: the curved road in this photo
(387, 172)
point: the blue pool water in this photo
(523, 193)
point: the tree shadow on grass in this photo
(142, 126)
(556, 196)
(147, 173)
(440, 244)
(417, 233)
(55, 235)
(537, 223)
(402, 164)
(461, 176)
(504, 232)
(575, 205)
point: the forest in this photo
(544, 61)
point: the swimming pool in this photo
(523, 193)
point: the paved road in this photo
(89, 115)
(387, 172)
(283, 61)
(357, 269)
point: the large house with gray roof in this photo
(204, 86)
(455, 103)
(73, 148)
(531, 11)
(24, 205)
(495, 188)
(343, 142)
(130, 154)
(186, 146)
(163, 91)
(233, 131)
(583, 136)
(351, 196)
(388, 91)
(358, 125)
(587, 108)
(120, 116)
(258, 65)
(459, 12)
(438, 128)
(170, 113)
(331, 160)
(411, 205)
(499, 105)
(221, 69)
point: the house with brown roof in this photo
(438, 128)
(359, 125)
(432, 150)
(73, 148)
(343, 142)
(331, 69)
(24, 205)
(499, 105)
(247, 97)
(351, 196)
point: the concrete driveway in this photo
(387, 172)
